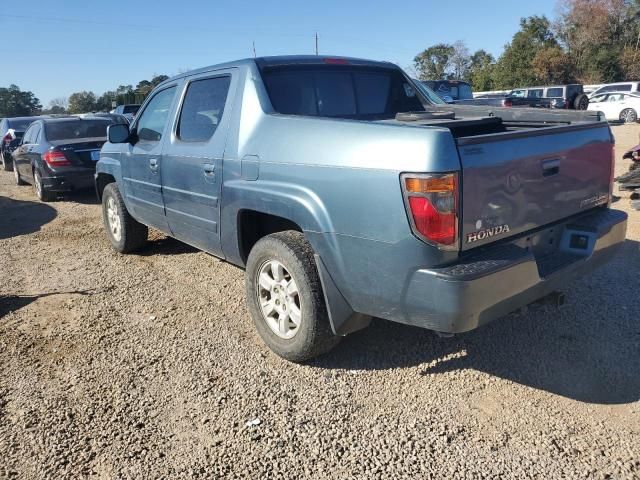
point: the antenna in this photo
(254, 48)
(316, 43)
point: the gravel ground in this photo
(147, 366)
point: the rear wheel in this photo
(17, 176)
(581, 102)
(285, 297)
(628, 115)
(41, 191)
(125, 232)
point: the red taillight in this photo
(507, 102)
(7, 138)
(56, 159)
(432, 201)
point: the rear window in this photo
(342, 92)
(71, 129)
(133, 109)
(20, 124)
(554, 92)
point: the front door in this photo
(192, 161)
(143, 161)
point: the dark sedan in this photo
(11, 131)
(60, 154)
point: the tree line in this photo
(15, 102)
(590, 41)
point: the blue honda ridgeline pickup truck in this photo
(347, 191)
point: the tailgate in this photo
(517, 181)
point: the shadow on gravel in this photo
(587, 351)
(19, 217)
(12, 303)
(85, 197)
(165, 246)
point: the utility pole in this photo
(254, 49)
(316, 43)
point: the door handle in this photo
(550, 167)
(153, 164)
(209, 169)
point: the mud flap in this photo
(341, 316)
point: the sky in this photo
(72, 45)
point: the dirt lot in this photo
(147, 366)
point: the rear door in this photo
(192, 162)
(143, 160)
(519, 181)
(22, 154)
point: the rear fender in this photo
(298, 204)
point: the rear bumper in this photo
(503, 278)
(69, 181)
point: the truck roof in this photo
(282, 60)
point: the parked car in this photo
(626, 87)
(128, 110)
(557, 96)
(11, 131)
(59, 154)
(450, 89)
(617, 106)
(114, 117)
(346, 194)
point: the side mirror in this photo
(118, 133)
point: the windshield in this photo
(71, 129)
(357, 92)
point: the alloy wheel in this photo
(114, 219)
(279, 299)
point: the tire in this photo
(125, 233)
(18, 178)
(581, 102)
(6, 166)
(628, 115)
(311, 335)
(42, 193)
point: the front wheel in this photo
(6, 166)
(285, 297)
(17, 177)
(125, 232)
(628, 115)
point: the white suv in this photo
(631, 87)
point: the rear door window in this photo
(535, 93)
(202, 108)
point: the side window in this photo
(554, 92)
(202, 109)
(624, 88)
(535, 93)
(154, 118)
(518, 93)
(35, 133)
(28, 135)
